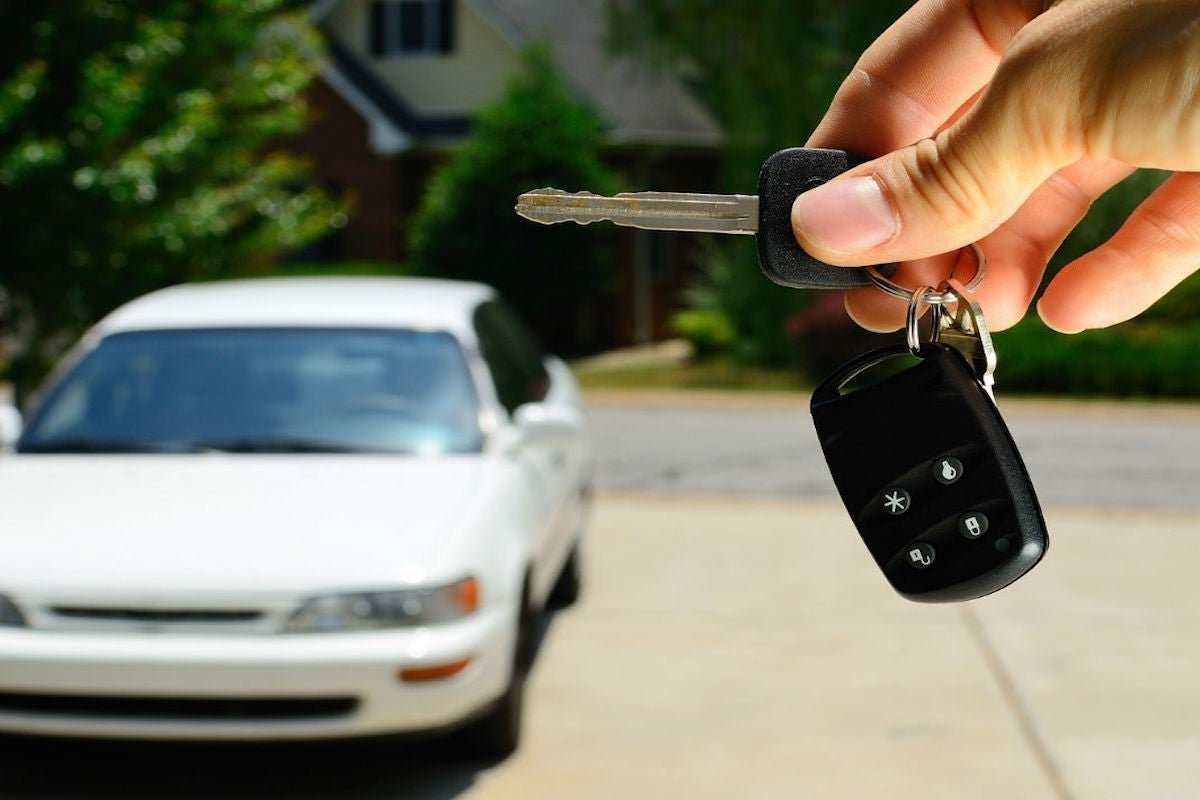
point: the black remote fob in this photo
(930, 475)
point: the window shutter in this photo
(378, 28)
(446, 10)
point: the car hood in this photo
(172, 526)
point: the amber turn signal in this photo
(437, 672)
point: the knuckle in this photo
(952, 186)
(1135, 277)
(1035, 90)
(998, 21)
(1070, 193)
(1174, 236)
(889, 96)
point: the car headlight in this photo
(10, 615)
(397, 609)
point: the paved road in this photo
(1080, 455)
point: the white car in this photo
(290, 508)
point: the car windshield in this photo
(263, 390)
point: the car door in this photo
(520, 376)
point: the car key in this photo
(926, 467)
(922, 460)
(784, 176)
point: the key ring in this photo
(926, 294)
(912, 332)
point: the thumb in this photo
(930, 198)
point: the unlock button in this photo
(920, 555)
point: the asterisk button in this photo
(896, 501)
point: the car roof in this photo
(352, 302)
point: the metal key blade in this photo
(659, 211)
(966, 331)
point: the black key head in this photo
(784, 177)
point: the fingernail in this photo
(848, 216)
(1052, 327)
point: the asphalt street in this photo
(1084, 455)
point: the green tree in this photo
(136, 150)
(535, 135)
(766, 69)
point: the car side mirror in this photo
(11, 425)
(545, 424)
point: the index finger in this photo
(920, 72)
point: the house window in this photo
(412, 27)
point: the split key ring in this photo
(924, 294)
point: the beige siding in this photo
(434, 85)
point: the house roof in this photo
(640, 106)
(349, 75)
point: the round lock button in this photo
(973, 524)
(947, 470)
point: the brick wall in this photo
(338, 144)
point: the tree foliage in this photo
(535, 135)
(767, 70)
(136, 151)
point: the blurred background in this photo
(145, 143)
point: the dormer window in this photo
(412, 27)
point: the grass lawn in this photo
(686, 375)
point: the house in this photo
(403, 80)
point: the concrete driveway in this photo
(749, 649)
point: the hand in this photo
(1021, 119)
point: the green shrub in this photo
(824, 337)
(535, 135)
(1143, 358)
(756, 310)
(709, 331)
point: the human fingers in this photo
(919, 72)
(1017, 252)
(1091, 78)
(1156, 248)
(935, 196)
(920, 76)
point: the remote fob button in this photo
(973, 524)
(947, 470)
(896, 501)
(921, 555)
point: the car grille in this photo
(179, 709)
(152, 619)
(164, 616)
